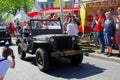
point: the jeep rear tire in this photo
(76, 60)
(21, 52)
(42, 59)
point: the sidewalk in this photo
(92, 51)
(102, 56)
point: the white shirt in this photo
(71, 29)
(4, 65)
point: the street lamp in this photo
(61, 14)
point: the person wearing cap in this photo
(5, 63)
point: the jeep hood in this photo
(2, 28)
(47, 36)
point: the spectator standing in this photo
(71, 28)
(112, 11)
(12, 29)
(94, 34)
(117, 34)
(99, 29)
(5, 63)
(108, 31)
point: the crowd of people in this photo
(106, 28)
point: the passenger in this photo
(26, 31)
(44, 26)
(108, 31)
(38, 25)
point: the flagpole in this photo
(61, 14)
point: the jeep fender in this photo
(39, 44)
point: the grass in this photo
(87, 45)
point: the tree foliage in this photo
(11, 6)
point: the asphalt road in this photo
(90, 69)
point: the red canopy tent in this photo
(52, 10)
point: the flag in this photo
(41, 0)
(83, 16)
(57, 3)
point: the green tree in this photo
(57, 3)
(11, 6)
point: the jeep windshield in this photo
(45, 27)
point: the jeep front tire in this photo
(42, 59)
(77, 59)
(21, 52)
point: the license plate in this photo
(69, 53)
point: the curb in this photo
(102, 56)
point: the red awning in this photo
(54, 10)
(32, 14)
(51, 10)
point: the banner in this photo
(105, 3)
(83, 16)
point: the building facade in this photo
(50, 4)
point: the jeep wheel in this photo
(76, 60)
(10, 41)
(21, 53)
(42, 59)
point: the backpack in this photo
(3, 59)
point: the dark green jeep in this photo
(47, 42)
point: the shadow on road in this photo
(68, 71)
(64, 69)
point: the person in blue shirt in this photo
(108, 31)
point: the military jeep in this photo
(48, 43)
(5, 34)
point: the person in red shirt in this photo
(99, 29)
(12, 29)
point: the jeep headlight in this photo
(6, 32)
(73, 38)
(52, 40)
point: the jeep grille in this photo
(63, 43)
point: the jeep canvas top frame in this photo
(39, 27)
